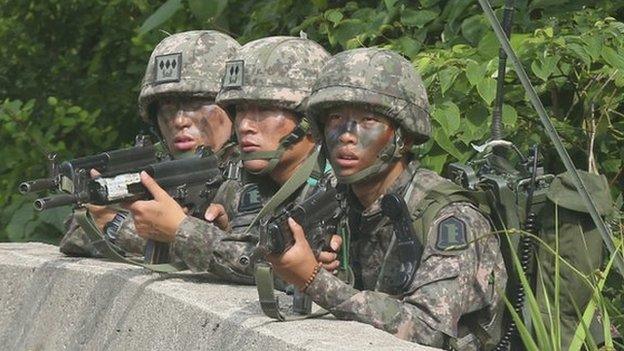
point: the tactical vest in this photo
(480, 334)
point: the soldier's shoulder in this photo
(458, 224)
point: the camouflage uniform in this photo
(277, 72)
(183, 65)
(451, 281)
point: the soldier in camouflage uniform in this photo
(373, 107)
(264, 86)
(178, 92)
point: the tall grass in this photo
(543, 332)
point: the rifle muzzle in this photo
(36, 185)
(47, 203)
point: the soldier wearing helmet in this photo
(441, 290)
(178, 92)
(264, 86)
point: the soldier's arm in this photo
(447, 285)
(205, 247)
(75, 242)
(127, 238)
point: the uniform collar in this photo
(398, 186)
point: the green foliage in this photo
(71, 74)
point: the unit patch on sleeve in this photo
(250, 199)
(168, 68)
(451, 234)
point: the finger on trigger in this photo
(335, 242)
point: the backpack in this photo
(550, 208)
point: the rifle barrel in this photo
(36, 185)
(49, 202)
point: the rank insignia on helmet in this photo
(233, 77)
(250, 199)
(451, 234)
(168, 68)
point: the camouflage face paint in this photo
(354, 138)
(188, 124)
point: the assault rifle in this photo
(186, 180)
(66, 176)
(314, 215)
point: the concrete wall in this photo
(52, 302)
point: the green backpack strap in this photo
(263, 272)
(95, 235)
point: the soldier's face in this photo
(260, 128)
(354, 138)
(190, 123)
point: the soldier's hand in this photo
(329, 258)
(101, 214)
(215, 213)
(297, 264)
(156, 219)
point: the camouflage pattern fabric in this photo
(276, 71)
(188, 64)
(75, 242)
(379, 79)
(448, 283)
(205, 247)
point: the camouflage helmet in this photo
(188, 64)
(277, 71)
(379, 79)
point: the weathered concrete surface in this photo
(52, 302)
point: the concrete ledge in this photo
(52, 302)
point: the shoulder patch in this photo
(451, 234)
(250, 199)
(168, 68)
(233, 77)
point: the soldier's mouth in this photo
(184, 143)
(346, 159)
(248, 146)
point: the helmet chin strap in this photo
(391, 152)
(275, 155)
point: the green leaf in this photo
(334, 16)
(593, 45)
(417, 19)
(475, 72)
(545, 67)
(442, 139)
(390, 4)
(348, 29)
(447, 78)
(447, 114)
(473, 28)
(204, 10)
(612, 58)
(409, 46)
(52, 101)
(488, 46)
(163, 13)
(580, 52)
(487, 90)
(510, 116)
